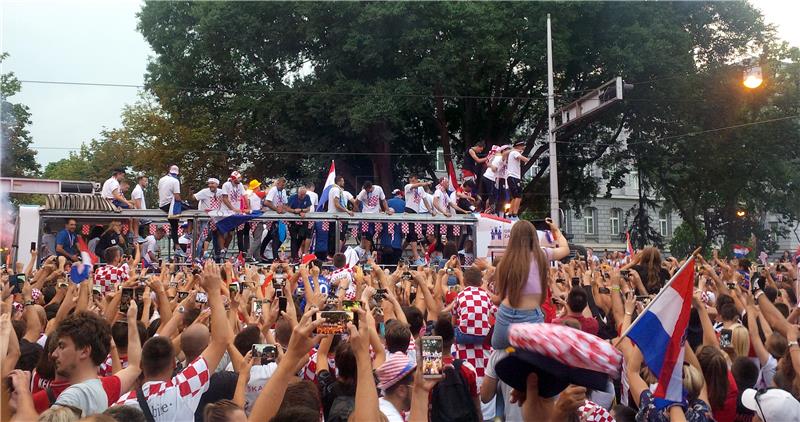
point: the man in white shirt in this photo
(515, 162)
(137, 195)
(396, 379)
(338, 199)
(169, 191)
(255, 199)
(233, 199)
(313, 195)
(111, 190)
(149, 247)
(441, 198)
(372, 200)
(209, 200)
(416, 203)
(275, 202)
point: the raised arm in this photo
(129, 375)
(562, 250)
(221, 333)
(366, 405)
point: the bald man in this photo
(194, 339)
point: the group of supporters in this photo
(433, 338)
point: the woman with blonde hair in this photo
(522, 277)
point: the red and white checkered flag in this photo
(457, 230)
(310, 225)
(180, 231)
(364, 227)
(390, 229)
(268, 225)
(326, 225)
(431, 229)
(125, 228)
(418, 229)
(204, 234)
(378, 229)
(153, 229)
(85, 229)
(354, 232)
(404, 228)
(166, 228)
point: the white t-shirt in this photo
(424, 208)
(514, 164)
(502, 169)
(209, 201)
(442, 199)
(371, 201)
(277, 197)
(512, 411)
(234, 193)
(254, 201)
(314, 200)
(388, 410)
(168, 186)
(414, 198)
(89, 396)
(259, 376)
(497, 161)
(138, 193)
(332, 194)
(109, 186)
(149, 245)
(176, 399)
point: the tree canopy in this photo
(18, 159)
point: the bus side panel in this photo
(28, 231)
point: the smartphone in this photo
(201, 297)
(449, 271)
(604, 290)
(432, 366)
(264, 353)
(575, 281)
(182, 295)
(335, 322)
(644, 299)
(380, 295)
(233, 288)
(278, 282)
(97, 290)
(367, 268)
(139, 295)
(127, 295)
(731, 286)
(726, 338)
(61, 284)
(16, 281)
(33, 246)
(350, 305)
(256, 308)
(282, 303)
(541, 225)
(406, 275)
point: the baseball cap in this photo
(396, 367)
(308, 258)
(174, 169)
(212, 180)
(554, 376)
(253, 184)
(772, 404)
(236, 175)
(518, 143)
(396, 192)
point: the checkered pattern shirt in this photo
(310, 370)
(108, 276)
(477, 355)
(473, 309)
(176, 399)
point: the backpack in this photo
(341, 408)
(450, 399)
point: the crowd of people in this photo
(402, 326)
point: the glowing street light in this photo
(741, 213)
(752, 77)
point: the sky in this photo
(96, 41)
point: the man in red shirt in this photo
(577, 310)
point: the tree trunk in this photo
(381, 160)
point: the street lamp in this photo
(741, 213)
(752, 77)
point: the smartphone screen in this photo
(335, 321)
(432, 367)
(264, 353)
(127, 295)
(576, 281)
(33, 246)
(380, 295)
(16, 281)
(201, 297)
(725, 338)
(233, 288)
(139, 295)
(182, 295)
(541, 225)
(257, 307)
(282, 304)
(351, 305)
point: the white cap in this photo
(212, 180)
(174, 169)
(773, 404)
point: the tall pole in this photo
(551, 136)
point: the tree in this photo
(18, 160)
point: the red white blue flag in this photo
(81, 271)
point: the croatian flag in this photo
(80, 271)
(740, 251)
(451, 172)
(629, 251)
(329, 182)
(660, 334)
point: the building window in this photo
(589, 219)
(616, 214)
(663, 223)
(440, 165)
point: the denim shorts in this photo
(506, 316)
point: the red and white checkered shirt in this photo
(310, 370)
(108, 276)
(473, 309)
(176, 399)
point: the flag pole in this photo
(663, 289)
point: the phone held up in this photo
(432, 364)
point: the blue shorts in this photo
(505, 317)
(117, 203)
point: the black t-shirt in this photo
(469, 162)
(106, 241)
(330, 388)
